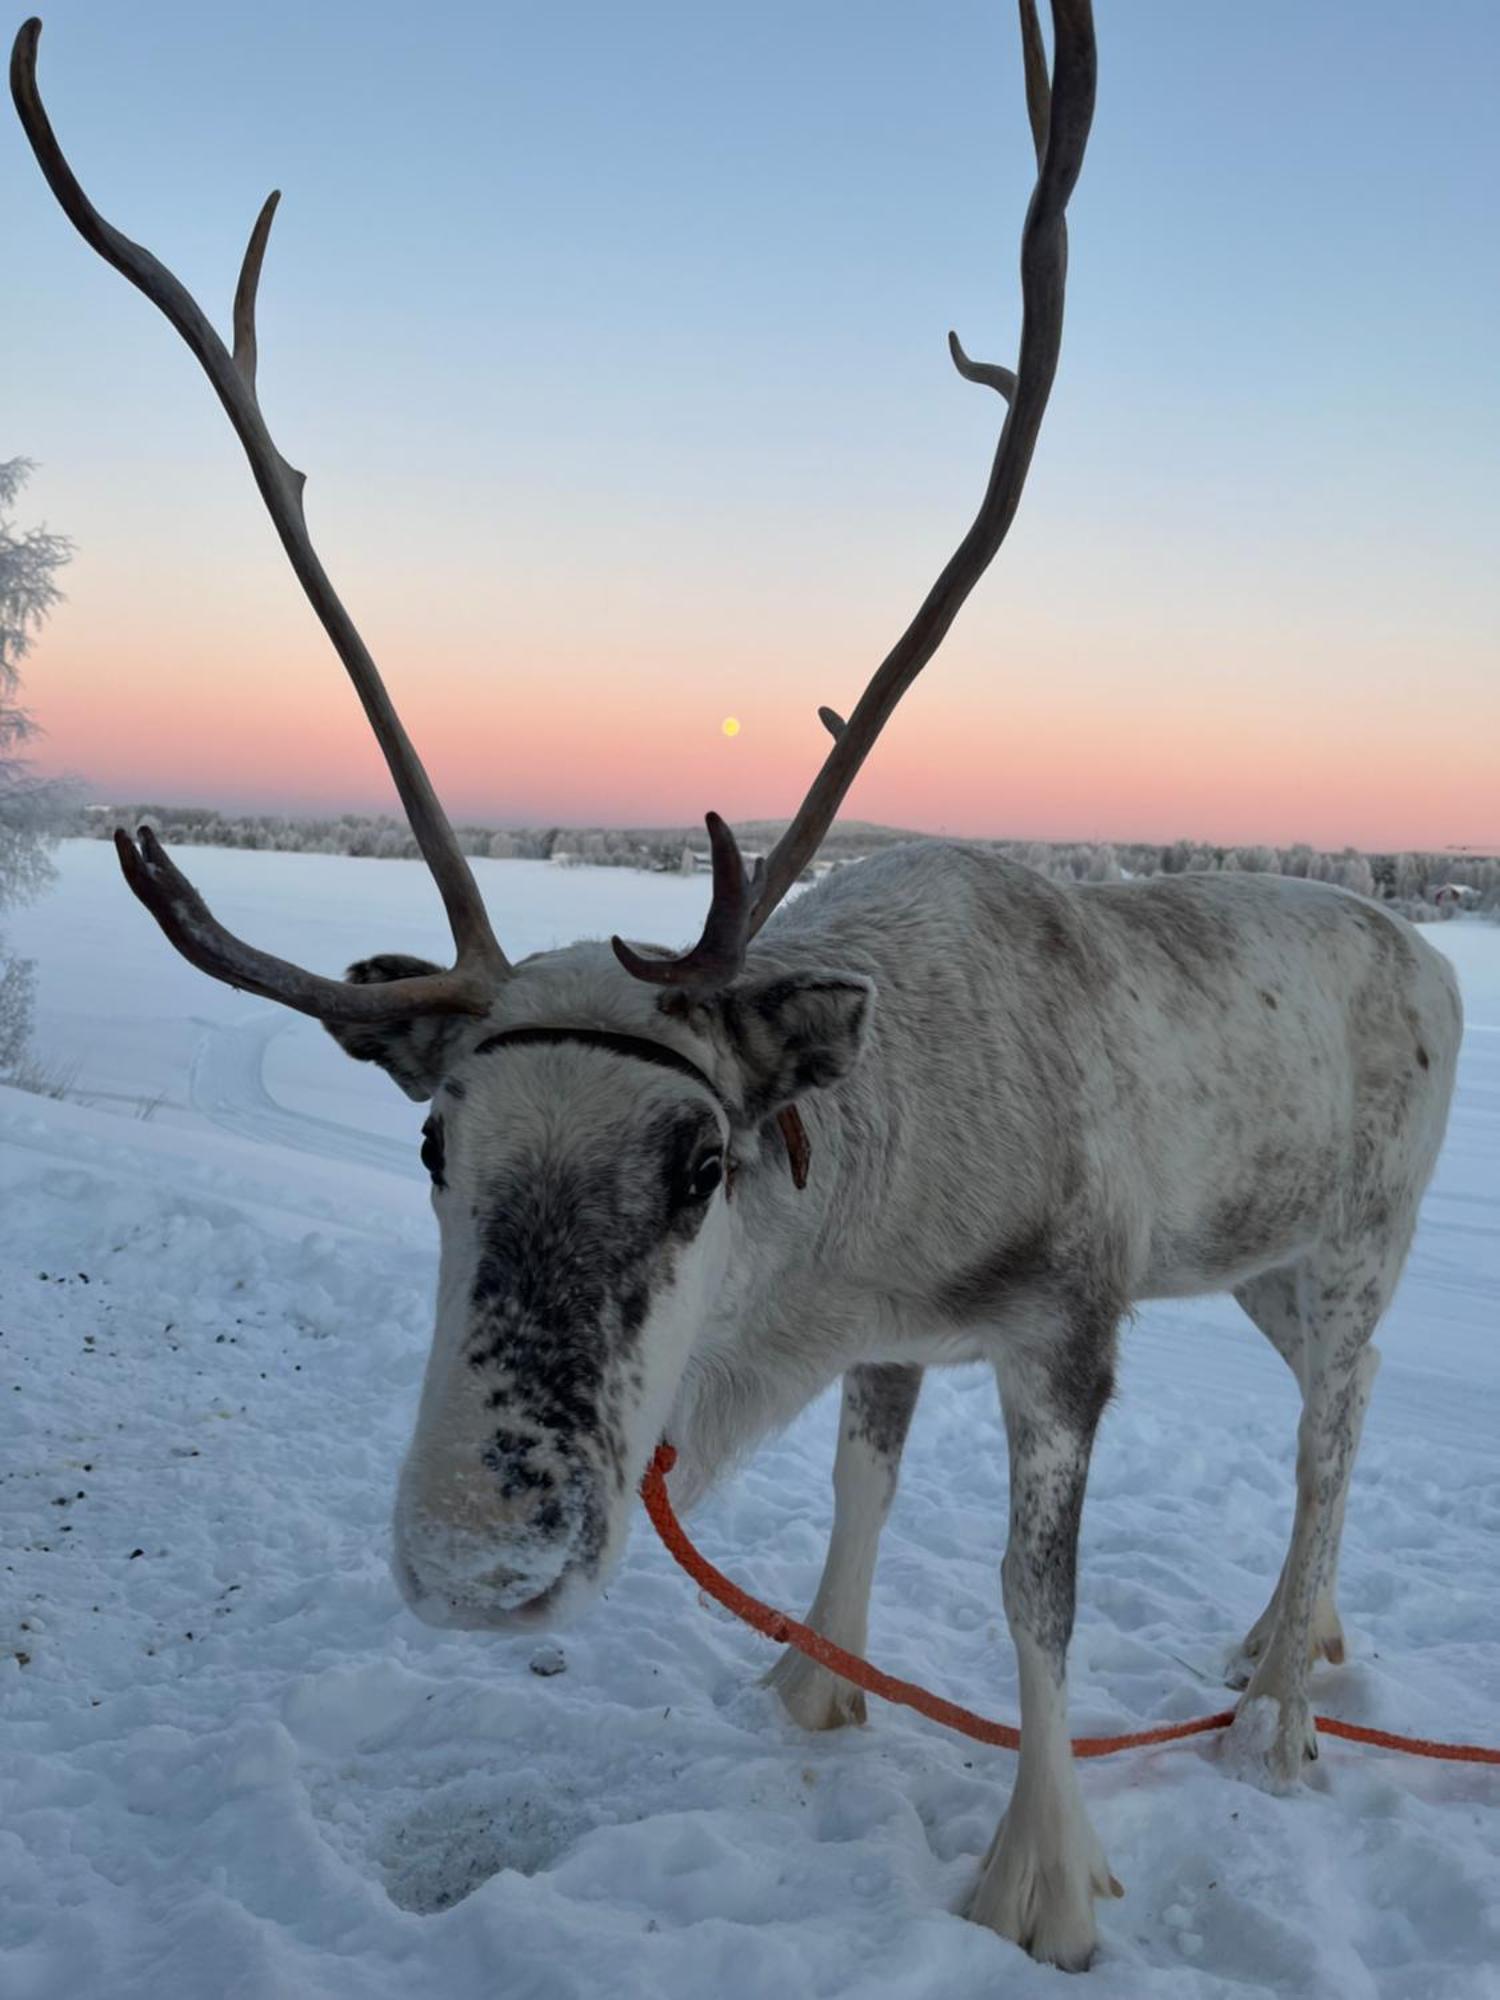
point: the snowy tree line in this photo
(382, 837)
(1424, 885)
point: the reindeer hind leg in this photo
(1271, 1302)
(1336, 1296)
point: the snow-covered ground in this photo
(236, 1766)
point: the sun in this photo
(731, 725)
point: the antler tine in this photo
(246, 353)
(990, 373)
(480, 961)
(720, 952)
(1060, 116)
(1038, 89)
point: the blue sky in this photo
(612, 342)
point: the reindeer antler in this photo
(1060, 115)
(480, 964)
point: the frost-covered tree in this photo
(1353, 871)
(31, 808)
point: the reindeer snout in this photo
(477, 1547)
(461, 1584)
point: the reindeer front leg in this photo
(874, 1416)
(1045, 1865)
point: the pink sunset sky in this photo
(620, 382)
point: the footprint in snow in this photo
(450, 1846)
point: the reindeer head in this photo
(588, 1108)
(584, 1144)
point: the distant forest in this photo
(1425, 885)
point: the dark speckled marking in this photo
(1051, 1415)
(1040, 1570)
(1081, 1287)
(1081, 1377)
(569, 1260)
(998, 1278)
(879, 1399)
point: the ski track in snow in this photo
(236, 1766)
(227, 1085)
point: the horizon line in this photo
(694, 828)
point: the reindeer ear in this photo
(415, 1053)
(795, 1033)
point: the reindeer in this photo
(939, 1110)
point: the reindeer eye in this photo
(432, 1151)
(706, 1177)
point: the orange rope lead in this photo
(850, 1667)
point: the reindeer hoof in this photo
(1271, 1741)
(1044, 1900)
(814, 1698)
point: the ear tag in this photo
(798, 1145)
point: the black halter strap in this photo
(634, 1046)
(640, 1049)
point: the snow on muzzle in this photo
(492, 1537)
(508, 1499)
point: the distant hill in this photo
(847, 839)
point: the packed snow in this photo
(237, 1766)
